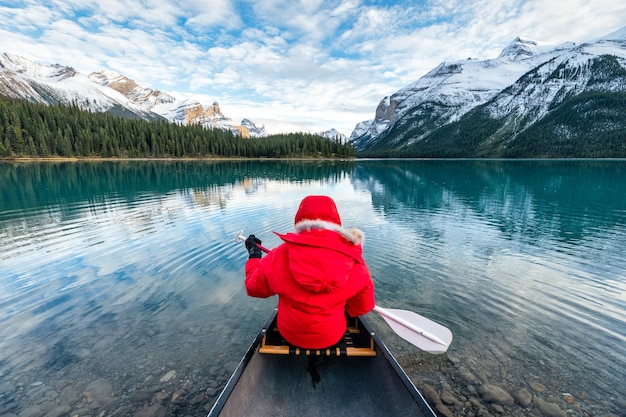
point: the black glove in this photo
(252, 243)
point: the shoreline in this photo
(161, 159)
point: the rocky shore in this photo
(167, 366)
(178, 367)
(157, 394)
(446, 382)
(453, 389)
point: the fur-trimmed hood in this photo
(356, 236)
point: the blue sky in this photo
(292, 65)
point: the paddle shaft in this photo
(240, 236)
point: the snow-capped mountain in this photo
(517, 90)
(106, 91)
(335, 135)
(255, 131)
(21, 78)
(146, 98)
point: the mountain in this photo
(535, 99)
(21, 78)
(106, 91)
(334, 135)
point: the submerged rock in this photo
(447, 398)
(494, 394)
(59, 411)
(522, 397)
(168, 376)
(99, 391)
(537, 387)
(443, 411)
(156, 410)
(548, 409)
(430, 395)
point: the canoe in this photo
(356, 377)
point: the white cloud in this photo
(311, 64)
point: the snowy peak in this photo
(107, 91)
(618, 35)
(21, 78)
(211, 116)
(334, 135)
(146, 98)
(113, 80)
(193, 112)
(214, 111)
(526, 81)
(371, 128)
(522, 48)
(18, 65)
(519, 49)
(254, 130)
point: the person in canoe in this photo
(318, 273)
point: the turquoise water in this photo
(126, 274)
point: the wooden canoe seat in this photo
(356, 341)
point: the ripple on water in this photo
(130, 287)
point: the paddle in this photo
(421, 332)
(241, 236)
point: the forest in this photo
(43, 131)
(587, 125)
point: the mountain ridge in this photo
(108, 91)
(527, 81)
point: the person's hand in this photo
(252, 243)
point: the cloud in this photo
(316, 64)
(200, 14)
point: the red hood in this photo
(320, 260)
(318, 207)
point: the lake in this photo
(121, 285)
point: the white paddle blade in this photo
(421, 332)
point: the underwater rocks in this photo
(452, 389)
(154, 394)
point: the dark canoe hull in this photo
(279, 385)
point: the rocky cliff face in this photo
(184, 112)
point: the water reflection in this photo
(521, 258)
(567, 200)
(27, 186)
(127, 271)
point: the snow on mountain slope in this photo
(255, 131)
(21, 78)
(335, 135)
(451, 90)
(106, 91)
(146, 98)
(178, 111)
(619, 34)
(579, 70)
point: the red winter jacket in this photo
(317, 273)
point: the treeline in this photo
(587, 125)
(36, 130)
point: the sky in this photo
(290, 65)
